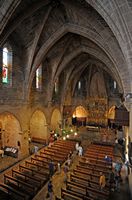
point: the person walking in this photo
(51, 168)
(112, 181)
(117, 181)
(50, 190)
(65, 169)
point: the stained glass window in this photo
(39, 78)
(7, 66)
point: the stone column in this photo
(130, 121)
(126, 135)
(128, 105)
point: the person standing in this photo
(76, 147)
(36, 149)
(102, 181)
(59, 167)
(80, 151)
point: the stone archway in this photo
(38, 125)
(10, 131)
(80, 114)
(55, 120)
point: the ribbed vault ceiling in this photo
(69, 35)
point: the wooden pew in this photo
(86, 181)
(11, 191)
(54, 150)
(33, 172)
(96, 160)
(95, 165)
(101, 145)
(56, 155)
(44, 163)
(97, 156)
(60, 148)
(88, 191)
(100, 149)
(67, 194)
(28, 178)
(46, 173)
(94, 150)
(92, 170)
(110, 147)
(64, 147)
(46, 159)
(42, 158)
(87, 174)
(50, 157)
(20, 184)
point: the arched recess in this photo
(55, 119)
(38, 125)
(80, 115)
(10, 129)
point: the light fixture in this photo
(75, 133)
(64, 138)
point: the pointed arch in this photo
(38, 125)
(56, 119)
(80, 114)
(80, 111)
(10, 128)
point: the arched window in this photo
(79, 85)
(115, 85)
(39, 78)
(7, 65)
(56, 85)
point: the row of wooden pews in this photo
(24, 181)
(84, 180)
